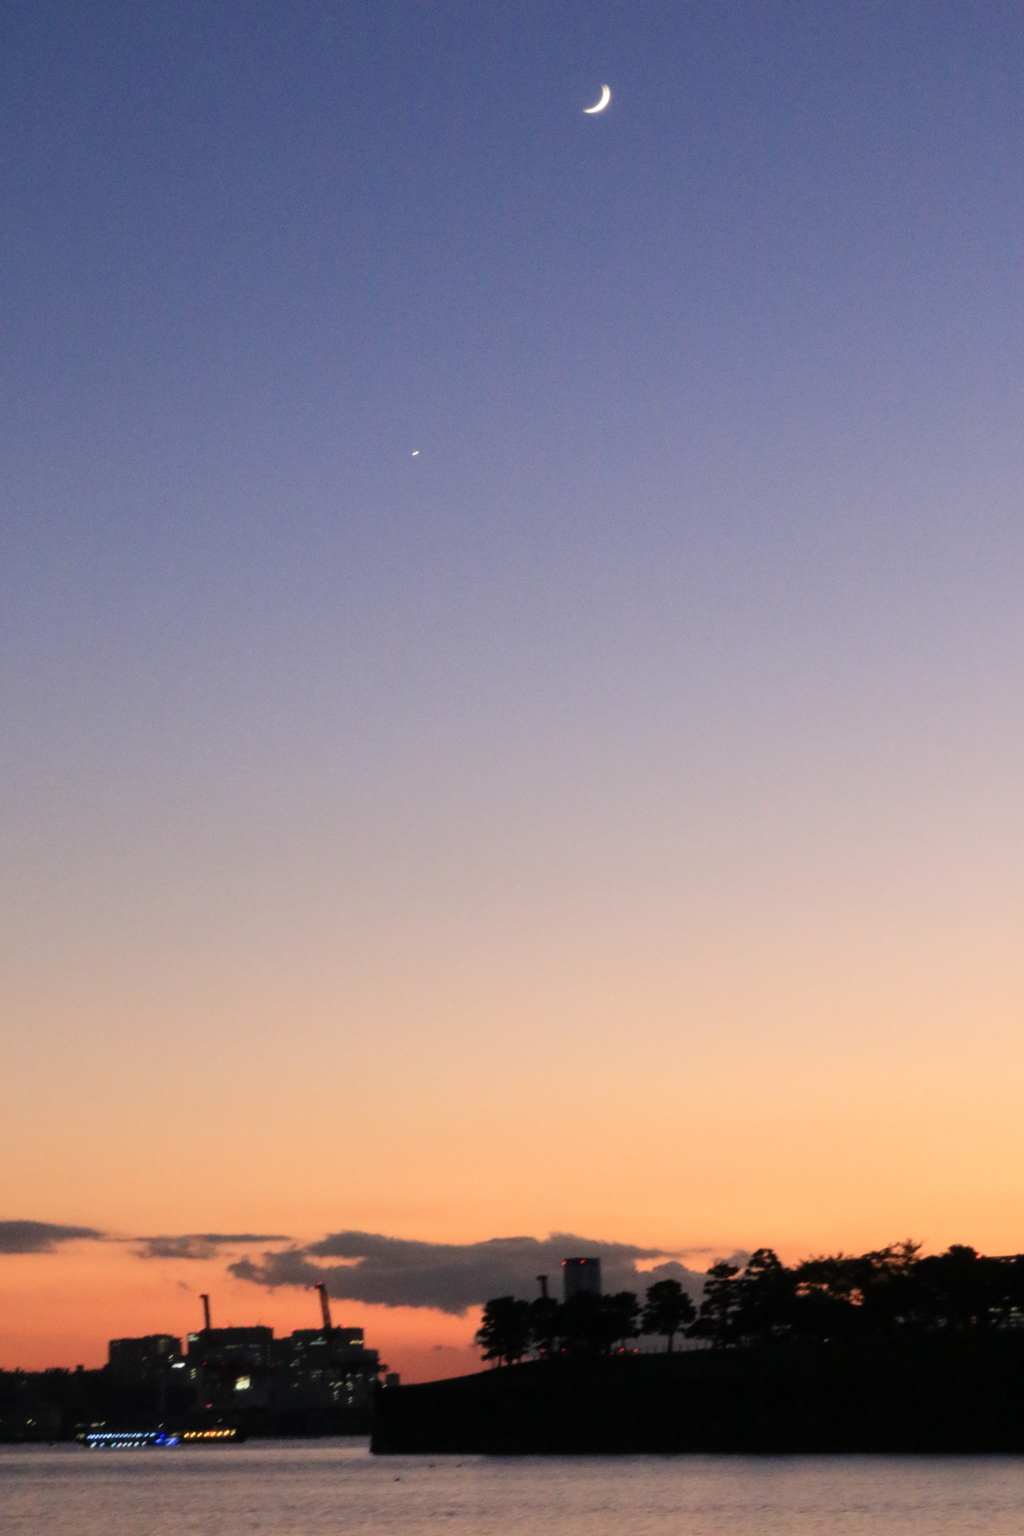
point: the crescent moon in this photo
(599, 106)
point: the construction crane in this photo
(325, 1308)
(206, 1311)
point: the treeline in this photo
(585, 1324)
(890, 1291)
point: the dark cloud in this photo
(41, 1236)
(673, 1270)
(450, 1277)
(202, 1245)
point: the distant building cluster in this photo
(231, 1369)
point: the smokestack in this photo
(542, 1281)
(206, 1311)
(325, 1306)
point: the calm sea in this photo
(283, 1489)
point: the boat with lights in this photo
(158, 1439)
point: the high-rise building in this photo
(145, 1358)
(231, 1366)
(581, 1276)
(325, 1369)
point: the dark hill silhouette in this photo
(884, 1351)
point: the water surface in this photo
(316, 1487)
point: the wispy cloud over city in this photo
(42, 1236)
(202, 1245)
(450, 1277)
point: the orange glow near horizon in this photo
(846, 1128)
(708, 1140)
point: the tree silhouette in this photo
(765, 1295)
(504, 1332)
(717, 1317)
(545, 1326)
(619, 1319)
(667, 1310)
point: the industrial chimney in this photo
(325, 1308)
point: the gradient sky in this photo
(607, 820)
